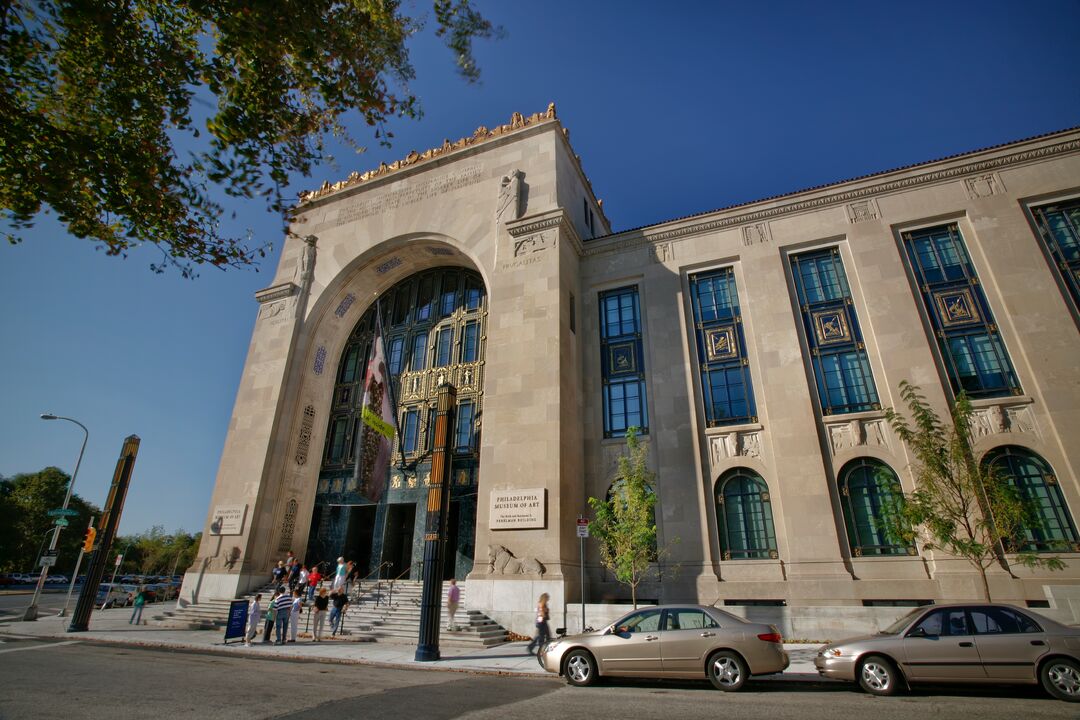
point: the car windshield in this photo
(901, 623)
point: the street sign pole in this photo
(582, 533)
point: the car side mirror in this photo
(918, 632)
(609, 629)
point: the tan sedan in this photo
(977, 643)
(670, 641)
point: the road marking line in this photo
(40, 647)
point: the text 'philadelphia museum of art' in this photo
(756, 347)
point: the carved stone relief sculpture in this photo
(756, 234)
(509, 207)
(503, 562)
(734, 445)
(856, 433)
(985, 185)
(999, 419)
(534, 243)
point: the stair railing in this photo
(377, 572)
(390, 600)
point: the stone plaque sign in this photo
(228, 520)
(518, 509)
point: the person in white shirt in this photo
(253, 619)
(294, 614)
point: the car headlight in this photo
(552, 645)
(830, 652)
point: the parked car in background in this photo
(976, 643)
(670, 641)
(110, 595)
(7, 579)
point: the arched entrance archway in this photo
(434, 330)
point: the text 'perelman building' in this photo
(756, 347)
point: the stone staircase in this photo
(381, 611)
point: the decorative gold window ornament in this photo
(831, 326)
(773, 554)
(764, 497)
(912, 551)
(720, 343)
(395, 483)
(957, 307)
(727, 554)
(858, 552)
(621, 358)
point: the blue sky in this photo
(673, 113)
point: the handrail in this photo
(360, 582)
(390, 600)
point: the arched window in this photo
(1034, 479)
(744, 513)
(867, 488)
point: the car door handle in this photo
(1038, 642)
(650, 638)
(967, 644)
(708, 634)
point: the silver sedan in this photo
(670, 641)
(976, 643)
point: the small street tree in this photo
(966, 508)
(625, 523)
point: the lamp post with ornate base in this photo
(438, 505)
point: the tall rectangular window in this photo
(470, 342)
(722, 360)
(968, 340)
(1059, 226)
(444, 346)
(463, 430)
(410, 423)
(335, 443)
(395, 354)
(622, 369)
(844, 381)
(418, 359)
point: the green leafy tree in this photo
(101, 99)
(26, 528)
(963, 507)
(625, 523)
(155, 552)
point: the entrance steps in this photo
(383, 611)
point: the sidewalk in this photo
(111, 626)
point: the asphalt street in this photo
(74, 679)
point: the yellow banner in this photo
(377, 424)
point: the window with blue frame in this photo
(844, 381)
(869, 491)
(744, 513)
(463, 428)
(722, 361)
(1051, 527)
(444, 345)
(621, 356)
(410, 430)
(968, 339)
(418, 358)
(470, 341)
(1059, 226)
(395, 354)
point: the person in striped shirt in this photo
(283, 606)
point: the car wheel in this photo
(879, 676)
(727, 670)
(1061, 678)
(580, 668)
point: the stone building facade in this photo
(756, 347)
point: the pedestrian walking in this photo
(340, 574)
(302, 584)
(271, 616)
(351, 575)
(339, 602)
(283, 606)
(314, 578)
(543, 632)
(253, 619)
(136, 614)
(295, 610)
(277, 575)
(322, 602)
(294, 575)
(453, 598)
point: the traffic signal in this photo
(88, 539)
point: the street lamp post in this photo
(32, 611)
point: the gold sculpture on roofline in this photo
(482, 134)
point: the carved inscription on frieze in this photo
(534, 243)
(367, 207)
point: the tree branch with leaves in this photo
(98, 97)
(960, 506)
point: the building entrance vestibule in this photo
(433, 326)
